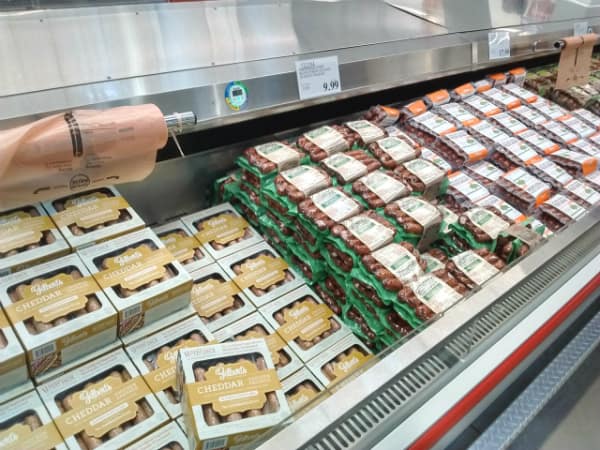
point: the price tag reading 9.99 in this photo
(317, 77)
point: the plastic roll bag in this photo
(77, 151)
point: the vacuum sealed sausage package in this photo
(221, 230)
(26, 424)
(521, 189)
(423, 177)
(582, 193)
(304, 322)
(230, 393)
(427, 127)
(104, 404)
(520, 92)
(301, 388)
(349, 166)
(216, 299)
(485, 173)
(463, 192)
(529, 116)
(382, 116)
(417, 220)
(539, 143)
(437, 98)
(586, 147)
(474, 267)
(140, 278)
(59, 313)
(436, 159)
(435, 258)
(167, 437)
(394, 150)
(558, 211)
(457, 114)
(326, 141)
(255, 326)
(480, 106)
(13, 364)
(501, 98)
(366, 132)
(577, 164)
(261, 163)
(379, 188)
(508, 123)
(548, 108)
(261, 273)
(517, 76)
(512, 153)
(488, 134)
(463, 91)
(183, 245)
(28, 237)
(156, 356)
(578, 126)
(549, 172)
(593, 179)
(91, 217)
(588, 117)
(461, 148)
(558, 132)
(480, 228)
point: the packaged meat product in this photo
(255, 326)
(483, 85)
(503, 209)
(517, 76)
(514, 153)
(91, 217)
(216, 299)
(51, 307)
(312, 268)
(436, 159)
(423, 177)
(593, 180)
(302, 388)
(13, 364)
(520, 92)
(382, 116)
(550, 109)
(474, 267)
(323, 210)
(586, 147)
(508, 123)
(221, 230)
(480, 228)
(366, 132)
(102, 404)
(485, 173)
(27, 237)
(497, 79)
(577, 126)
(582, 193)
(516, 241)
(350, 166)
(558, 211)
(155, 357)
(481, 107)
(588, 117)
(262, 162)
(379, 188)
(463, 91)
(531, 117)
(461, 148)
(167, 437)
(457, 114)
(134, 270)
(304, 322)
(538, 142)
(432, 294)
(437, 98)
(395, 150)
(183, 245)
(577, 164)
(356, 237)
(418, 221)
(501, 98)
(427, 127)
(225, 415)
(326, 141)
(521, 189)
(549, 172)
(248, 203)
(435, 259)
(344, 358)
(490, 135)
(414, 109)
(558, 132)
(26, 424)
(463, 191)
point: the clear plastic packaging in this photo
(395, 150)
(422, 176)
(326, 141)
(497, 79)
(525, 95)
(514, 153)
(463, 192)
(548, 108)
(474, 267)
(577, 164)
(484, 172)
(549, 172)
(558, 211)
(382, 116)
(539, 142)
(350, 166)
(558, 132)
(508, 123)
(463, 91)
(366, 132)
(380, 188)
(481, 106)
(588, 117)
(457, 114)
(521, 189)
(501, 99)
(437, 98)
(461, 148)
(582, 193)
(427, 127)
(489, 134)
(183, 245)
(529, 116)
(436, 159)
(586, 147)
(578, 126)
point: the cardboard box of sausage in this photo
(167, 437)
(261, 273)
(104, 404)
(91, 217)
(216, 299)
(255, 326)
(231, 393)
(59, 313)
(221, 230)
(13, 363)
(140, 277)
(301, 388)
(337, 362)
(156, 355)
(304, 322)
(28, 237)
(26, 424)
(183, 245)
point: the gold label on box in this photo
(306, 320)
(222, 229)
(163, 377)
(20, 229)
(90, 210)
(213, 296)
(273, 341)
(302, 396)
(261, 272)
(19, 437)
(181, 246)
(349, 363)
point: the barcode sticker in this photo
(44, 350)
(133, 311)
(213, 444)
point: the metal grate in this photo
(349, 432)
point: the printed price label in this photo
(580, 28)
(499, 44)
(318, 77)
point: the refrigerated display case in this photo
(423, 390)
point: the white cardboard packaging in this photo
(183, 245)
(13, 362)
(167, 437)
(301, 388)
(307, 315)
(159, 372)
(104, 212)
(129, 269)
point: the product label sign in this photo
(336, 205)
(318, 77)
(279, 153)
(474, 267)
(222, 229)
(306, 179)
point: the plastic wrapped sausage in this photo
(550, 109)
(300, 182)
(326, 141)
(463, 192)
(529, 116)
(436, 159)
(512, 153)
(379, 188)
(488, 134)
(577, 126)
(539, 143)
(427, 127)
(271, 157)
(480, 106)
(382, 116)
(457, 114)
(365, 132)
(586, 147)
(474, 267)
(521, 189)
(394, 150)
(350, 166)
(328, 207)
(577, 164)
(549, 172)
(480, 227)
(558, 132)
(501, 98)
(461, 148)
(588, 117)
(558, 211)
(485, 173)
(516, 89)
(582, 193)
(422, 176)
(507, 123)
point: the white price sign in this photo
(317, 77)
(499, 44)
(580, 28)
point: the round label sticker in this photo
(236, 95)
